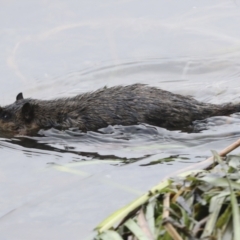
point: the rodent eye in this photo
(5, 116)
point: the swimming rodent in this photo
(120, 105)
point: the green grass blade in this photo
(136, 230)
(220, 182)
(236, 216)
(228, 233)
(150, 216)
(109, 235)
(214, 209)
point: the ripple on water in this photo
(127, 144)
(144, 142)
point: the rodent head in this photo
(17, 118)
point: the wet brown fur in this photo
(121, 105)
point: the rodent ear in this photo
(19, 96)
(27, 111)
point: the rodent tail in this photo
(229, 108)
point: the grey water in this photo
(61, 184)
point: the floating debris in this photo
(198, 204)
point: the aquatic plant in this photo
(197, 204)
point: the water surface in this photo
(60, 184)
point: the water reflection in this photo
(129, 144)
